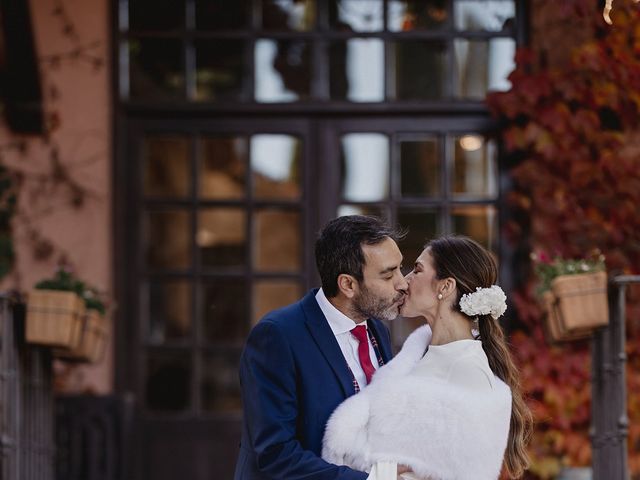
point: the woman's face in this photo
(422, 298)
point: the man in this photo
(302, 361)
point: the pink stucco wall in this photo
(84, 142)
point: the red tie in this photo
(360, 332)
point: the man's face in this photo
(381, 292)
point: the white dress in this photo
(444, 414)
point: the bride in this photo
(456, 411)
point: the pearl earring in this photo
(439, 296)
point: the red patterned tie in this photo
(360, 332)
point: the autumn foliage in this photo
(571, 133)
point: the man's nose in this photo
(403, 284)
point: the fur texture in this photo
(440, 429)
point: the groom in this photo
(300, 362)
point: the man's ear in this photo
(348, 285)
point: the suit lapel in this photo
(326, 341)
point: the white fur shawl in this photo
(442, 430)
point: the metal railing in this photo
(609, 420)
(26, 401)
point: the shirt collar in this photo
(338, 321)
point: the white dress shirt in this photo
(341, 326)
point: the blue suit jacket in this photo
(293, 376)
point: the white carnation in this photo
(484, 301)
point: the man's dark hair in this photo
(339, 247)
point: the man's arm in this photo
(267, 375)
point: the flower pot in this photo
(93, 340)
(555, 327)
(54, 318)
(582, 300)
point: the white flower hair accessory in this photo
(484, 301)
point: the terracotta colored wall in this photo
(84, 143)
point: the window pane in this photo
(222, 14)
(277, 240)
(474, 167)
(168, 308)
(365, 161)
(166, 166)
(167, 239)
(224, 311)
(168, 382)
(156, 68)
(222, 167)
(478, 222)
(375, 210)
(222, 237)
(269, 295)
(275, 166)
(422, 226)
(220, 384)
(491, 16)
(406, 15)
(288, 15)
(219, 69)
(161, 15)
(356, 15)
(282, 70)
(483, 65)
(420, 173)
(357, 70)
(420, 70)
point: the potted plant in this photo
(65, 313)
(574, 294)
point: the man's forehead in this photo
(385, 252)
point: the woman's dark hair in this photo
(339, 247)
(472, 266)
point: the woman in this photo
(456, 411)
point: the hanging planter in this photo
(574, 296)
(54, 318)
(66, 314)
(93, 340)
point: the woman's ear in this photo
(448, 287)
(348, 285)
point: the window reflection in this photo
(474, 167)
(365, 160)
(422, 226)
(296, 15)
(420, 168)
(375, 210)
(478, 222)
(222, 14)
(271, 294)
(167, 305)
(356, 15)
(166, 236)
(168, 382)
(224, 310)
(275, 166)
(487, 15)
(222, 167)
(220, 388)
(483, 65)
(166, 166)
(221, 237)
(406, 15)
(219, 69)
(420, 70)
(357, 70)
(282, 70)
(277, 240)
(156, 68)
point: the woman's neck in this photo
(449, 327)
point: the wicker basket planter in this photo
(54, 318)
(93, 340)
(576, 305)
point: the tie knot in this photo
(360, 332)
